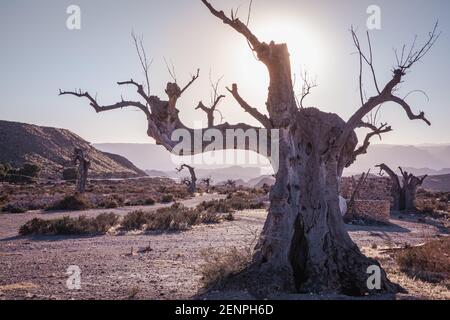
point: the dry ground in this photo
(120, 267)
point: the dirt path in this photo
(113, 268)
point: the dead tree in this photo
(191, 183)
(230, 184)
(83, 163)
(403, 192)
(304, 246)
(207, 182)
(397, 193)
(410, 185)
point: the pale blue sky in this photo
(39, 55)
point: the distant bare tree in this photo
(403, 192)
(191, 183)
(304, 246)
(80, 159)
(231, 184)
(207, 182)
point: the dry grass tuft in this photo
(219, 266)
(430, 262)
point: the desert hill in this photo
(51, 149)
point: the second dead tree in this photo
(83, 163)
(192, 182)
(403, 193)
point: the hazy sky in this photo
(39, 55)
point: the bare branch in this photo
(386, 94)
(364, 59)
(415, 55)
(236, 24)
(376, 131)
(214, 102)
(98, 108)
(264, 120)
(171, 70)
(139, 45)
(194, 77)
(391, 173)
(407, 108)
(307, 86)
(140, 89)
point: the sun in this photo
(303, 42)
(305, 45)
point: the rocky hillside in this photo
(51, 149)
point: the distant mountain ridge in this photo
(52, 149)
(432, 158)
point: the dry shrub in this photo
(430, 262)
(135, 220)
(15, 208)
(174, 218)
(167, 198)
(220, 265)
(235, 201)
(74, 202)
(70, 226)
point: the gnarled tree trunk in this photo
(83, 163)
(410, 185)
(192, 182)
(404, 193)
(304, 246)
(397, 190)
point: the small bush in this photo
(74, 202)
(26, 174)
(229, 216)
(14, 208)
(174, 218)
(149, 201)
(217, 206)
(70, 226)
(167, 198)
(70, 174)
(135, 220)
(109, 203)
(4, 198)
(430, 262)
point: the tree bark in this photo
(397, 190)
(404, 194)
(83, 169)
(304, 246)
(410, 185)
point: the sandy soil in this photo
(122, 267)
